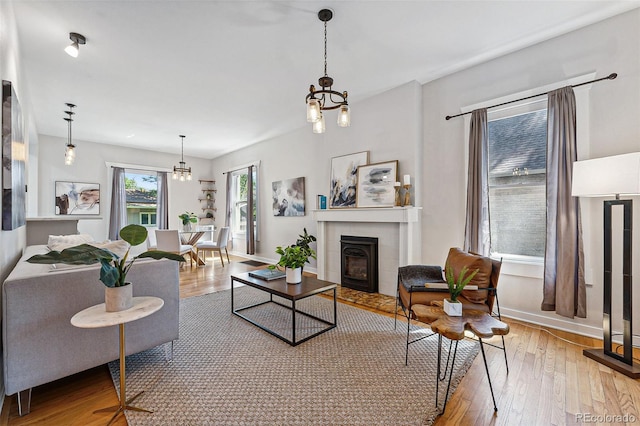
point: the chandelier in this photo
(326, 98)
(70, 148)
(182, 172)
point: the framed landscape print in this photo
(344, 179)
(14, 195)
(77, 198)
(288, 197)
(376, 184)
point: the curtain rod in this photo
(609, 77)
(237, 170)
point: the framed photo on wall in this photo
(376, 184)
(288, 197)
(77, 198)
(344, 179)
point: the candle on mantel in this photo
(407, 180)
(396, 184)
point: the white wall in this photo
(91, 166)
(13, 242)
(610, 46)
(387, 125)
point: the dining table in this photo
(191, 237)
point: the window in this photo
(239, 191)
(147, 219)
(517, 181)
(142, 197)
(239, 203)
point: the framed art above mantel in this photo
(376, 184)
(344, 179)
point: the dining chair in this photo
(169, 240)
(221, 243)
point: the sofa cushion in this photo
(458, 259)
(117, 247)
(61, 242)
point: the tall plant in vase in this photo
(187, 219)
(452, 306)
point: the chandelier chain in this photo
(325, 48)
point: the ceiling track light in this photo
(326, 98)
(182, 172)
(70, 148)
(76, 41)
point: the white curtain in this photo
(118, 217)
(477, 235)
(564, 288)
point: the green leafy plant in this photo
(113, 272)
(296, 255)
(304, 240)
(187, 217)
(456, 287)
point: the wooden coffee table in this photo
(309, 286)
(481, 324)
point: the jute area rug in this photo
(226, 371)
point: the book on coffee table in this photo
(267, 274)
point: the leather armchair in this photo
(412, 290)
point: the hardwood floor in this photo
(549, 380)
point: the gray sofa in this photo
(40, 344)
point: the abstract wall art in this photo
(288, 197)
(344, 179)
(76, 198)
(376, 184)
(14, 190)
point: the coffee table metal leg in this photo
(293, 321)
(486, 367)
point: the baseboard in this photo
(557, 323)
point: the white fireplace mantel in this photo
(402, 232)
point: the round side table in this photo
(96, 316)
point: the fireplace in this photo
(359, 265)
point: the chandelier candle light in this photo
(70, 148)
(181, 172)
(328, 98)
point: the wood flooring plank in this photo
(542, 367)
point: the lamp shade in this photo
(600, 177)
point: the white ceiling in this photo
(228, 74)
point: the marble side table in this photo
(96, 317)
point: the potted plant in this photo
(452, 306)
(304, 240)
(187, 219)
(113, 273)
(293, 257)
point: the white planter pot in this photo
(118, 298)
(453, 309)
(294, 276)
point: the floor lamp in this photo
(600, 177)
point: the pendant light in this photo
(74, 47)
(182, 172)
(326, 98)
(70, 148)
